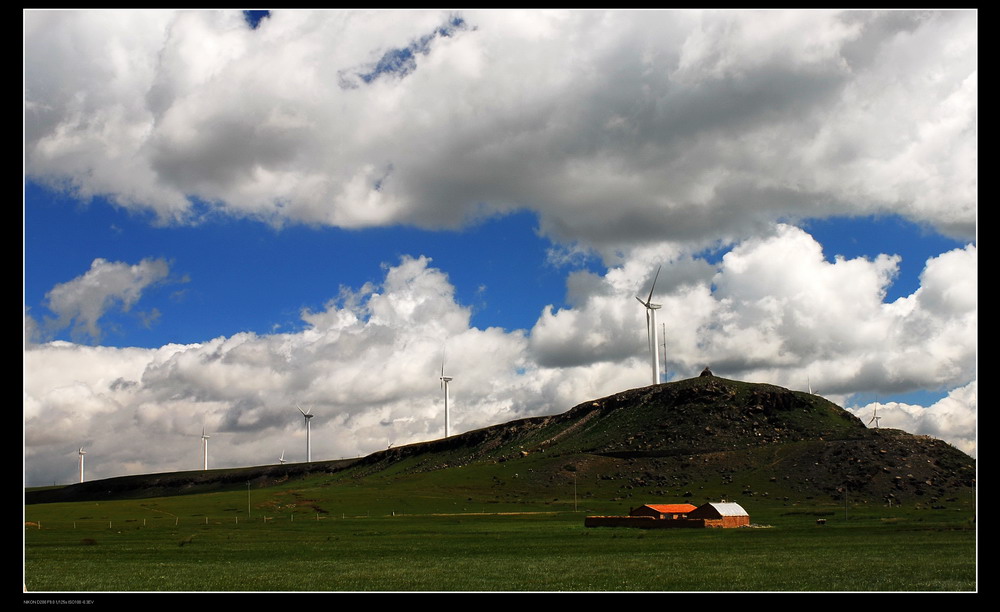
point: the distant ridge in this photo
(690, 433)
(166, 484)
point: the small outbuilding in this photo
(721, 514)
(663, 511)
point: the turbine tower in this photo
(204, 449)
(651, 309)
(444, 385)
(82, 453)
(663, 328)
(308, 417)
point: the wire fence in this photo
(176, 521)
(171, 521)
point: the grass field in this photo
(206, 543)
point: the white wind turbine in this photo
(875, 417)
(82, 453)
(281, 459)
(308, 417)
(651, 309)
(444, 385)
(204, 449)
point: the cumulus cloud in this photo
(613, 126)
(832, 317)
(777, 309)
(83, 301)
(367, 364)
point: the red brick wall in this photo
(728, 521)
(643, 522)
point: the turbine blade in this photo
(650, 298)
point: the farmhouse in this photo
(663, 511)
(721, 514)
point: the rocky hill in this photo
(732, 437)
(675, 439)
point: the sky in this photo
(228, 216)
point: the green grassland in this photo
(446, 531)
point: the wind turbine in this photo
(204, 449)
(444, 385)
(308, 416)
(875, 417)
(651, 309)
(281, 459)
(82, 453)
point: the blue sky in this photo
(500, 267)
(223, 221)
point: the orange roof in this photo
(672, 508)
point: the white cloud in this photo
(776, 310)
(83, 301)
(614, 126)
